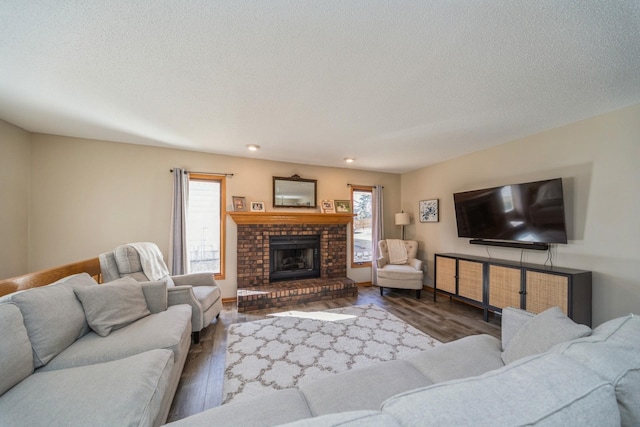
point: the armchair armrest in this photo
(195, 279)
(181, 295)
(155, 293)
(512, 320)
(415, 263)
(184, 295)
(382, 261)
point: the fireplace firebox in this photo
(294, 257)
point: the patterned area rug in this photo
(291, 351)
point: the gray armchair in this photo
(400, 276)
(199, 290)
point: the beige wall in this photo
(15, 150)
(66, 199)
(598, 160)
(89, 196)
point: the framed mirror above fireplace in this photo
(294, 192)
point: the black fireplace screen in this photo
(294, 257)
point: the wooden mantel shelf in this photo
(290, 218)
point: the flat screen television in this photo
(531, 212)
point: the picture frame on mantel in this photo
(342, 206)
(257, 207)
(239, 204)
(328, 206)
(428, 210)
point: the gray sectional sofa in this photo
(546, 370)
(77, 354)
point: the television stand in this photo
(518, 245)
(493, 284)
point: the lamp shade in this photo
(402, 219)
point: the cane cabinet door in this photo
(446, 274)
(505, 284)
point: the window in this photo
(361, 241)
(205, 224)
(507, 198)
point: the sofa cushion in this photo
(168, 329)
(541, 333)
(126, 392)
(623, 331)
(155, 293)
(512, 320)
(53, 316)
(613, 351)
(270, 409)
(567, 394)
(465, 357)
(346, 419)
(113, 305)
(399, 272)
(16, 357)
(364, 388)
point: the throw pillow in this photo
(541, 333)
(16, 356)
(113, 305)
(53, 316)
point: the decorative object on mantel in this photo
(429, 210)
(328, 206)
(294, 192)
(239, 204)
(257, 206)
(284, 352)
(402, 219)
(343, 206)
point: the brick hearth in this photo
(254, 229)
(282, 294)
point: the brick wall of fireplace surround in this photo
(253, 250)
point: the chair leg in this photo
(195, 337)
(418, 294)
(380, 290)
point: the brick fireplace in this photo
(294, 257)
(256, 230)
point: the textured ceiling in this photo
(396, 84)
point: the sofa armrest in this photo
(155, 293)
(415, 263)
(512, 320)
(195, 279)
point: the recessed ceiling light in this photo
(349, 159)
(253, 147)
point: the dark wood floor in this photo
(200, 386)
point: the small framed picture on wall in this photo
(428, 210)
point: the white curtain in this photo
(178, 253)
(377, 228)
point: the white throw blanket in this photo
(151, 259)
(397, 251)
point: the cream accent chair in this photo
(404, 276)
(199, 290)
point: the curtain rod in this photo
(359, 185)
(207, 173)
